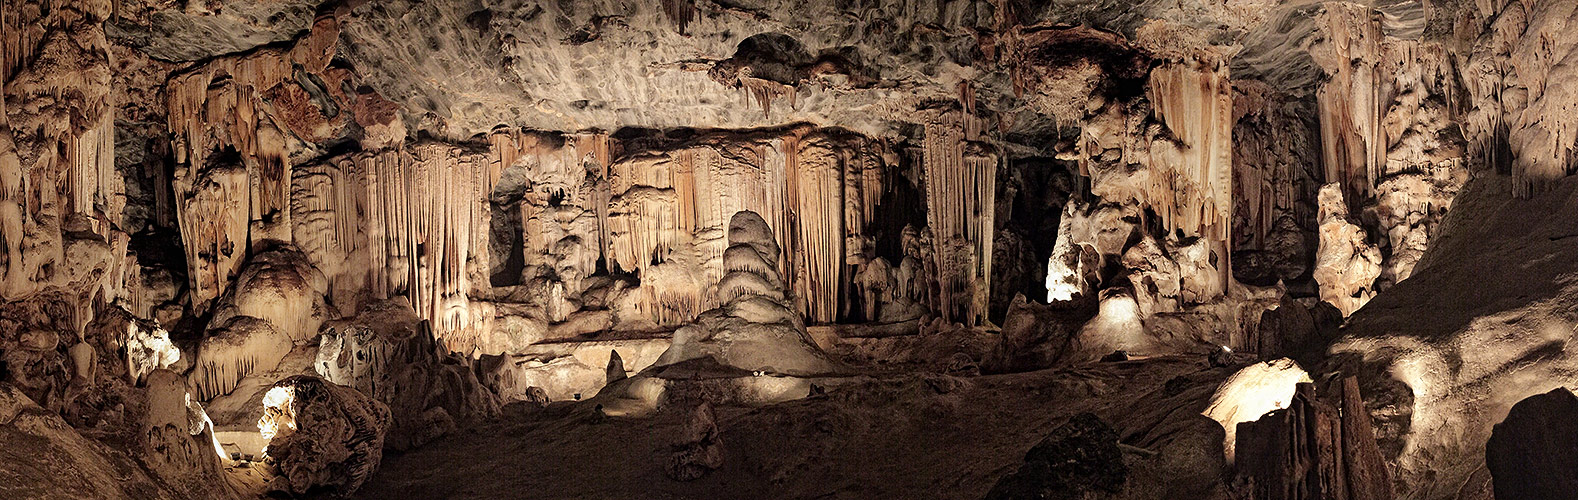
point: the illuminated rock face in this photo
(322, 435)
(1313, 449)
(753, 329)
(444, 205)
(1433, 424)
(1253, 392)
(1345, 265)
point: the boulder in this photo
(700, 447)
(322, 435)
(1080, 459)
(1533, 454)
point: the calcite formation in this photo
(753, 329)
(1346, 266)
(1314, 449)
(376, 223)
(322, 435)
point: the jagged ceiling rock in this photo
(610, 64)
(461, 67)
(170, 31)
(1276, 49)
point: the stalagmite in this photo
(1072, 262)
(1311, 449)
(616, 368)
(1345, 265)
(753, 328)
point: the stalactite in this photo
(402, 222)
(57, 152)
(765, 91)
(239, 347)
(204, 117)
(819, 213)
(1275, 179)
(685, 189)
(1195, 102)
(22, 29)
(1351, 103)
(960, 199)
(680, 12)
(785, 219)
(1192, 189)
(213, 224)
(217, 106)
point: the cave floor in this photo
(888, 434)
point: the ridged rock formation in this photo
(387, 353)
(322, 435)
(753, 329)
(442, 206)
(1313, 449)
(1345, 265)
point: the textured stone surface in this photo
(1077, 460)
(1530, 452)
(444, 203)
(322, 435)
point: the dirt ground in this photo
(884, 435)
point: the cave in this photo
(960, 249)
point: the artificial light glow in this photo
(1251, 393)
(276, 412)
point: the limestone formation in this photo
(322, 435)
(1489, 246)
(699, 449)
(234, 349)
(65, 463)
(388, 354)
(1528, 451)
(753, 329)
(1345, 265)
(616, 368)
(376, 223)
(1312, 449)
(148, 348)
